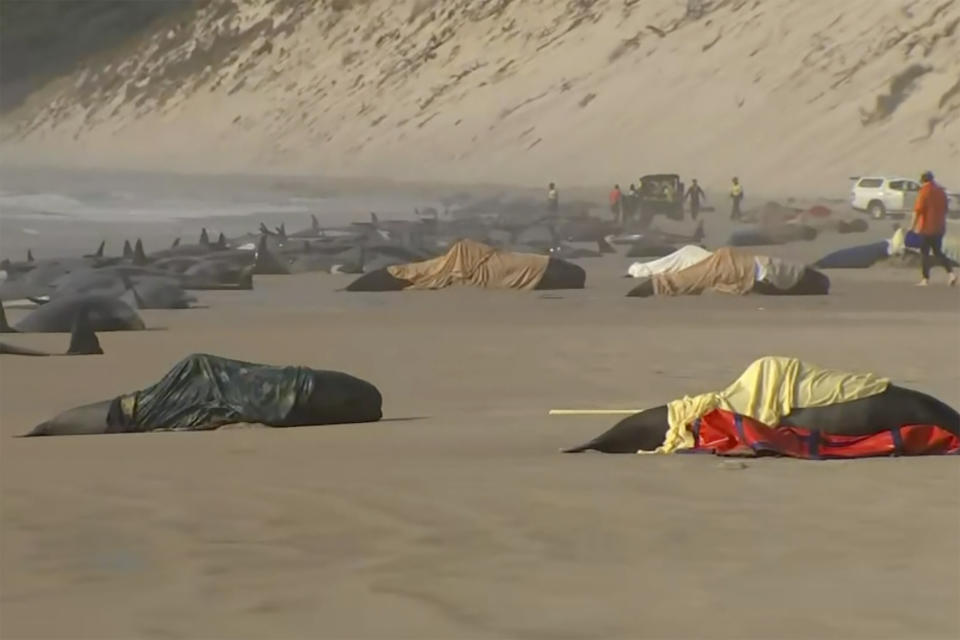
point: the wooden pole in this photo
(593, 412)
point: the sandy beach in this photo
(456, 516)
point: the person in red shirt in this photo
(930, 223)
(616, 204)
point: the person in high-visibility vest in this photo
(736, 196)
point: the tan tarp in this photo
(726, 271)
(474, 264)
(769, 389)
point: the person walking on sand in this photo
(930, 223)
(553, 199)
(616, 204)
(736, 196)
(694, 194)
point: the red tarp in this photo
(726, 433)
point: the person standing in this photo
(631, 208)
(930, 223)
(553, 199)
(694, 194)
(616, 204)
(736, 196)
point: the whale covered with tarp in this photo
(733, 271)
(204, 392)
(474, 264)
(784, 406)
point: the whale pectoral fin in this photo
(13, 350)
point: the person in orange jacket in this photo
(616, 204)
(930, 223)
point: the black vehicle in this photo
(656, 194)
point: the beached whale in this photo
(470, 263)
(150, 289)
(105, 313)
(193, 396)
(83, 340)
(874, 418)
(737, 272)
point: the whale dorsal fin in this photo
(4, 327)
(139, 257)
(29, 255)
(246, 279)
(127, 250)
(132, 290)
(83, 340)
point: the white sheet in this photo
(680, 259)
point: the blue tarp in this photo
(859, 257)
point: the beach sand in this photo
(456, 516)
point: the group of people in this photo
(929, 216)
(618, 206)
(694, 194)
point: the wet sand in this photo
(456, 516)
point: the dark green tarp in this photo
(204, 392)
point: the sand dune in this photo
(789, 95)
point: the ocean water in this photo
(44, 209)
(115, 195)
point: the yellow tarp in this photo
(474, 264)
(769, 389)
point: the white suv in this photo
(881, 197)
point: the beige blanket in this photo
(474, 264)
(726, 270)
